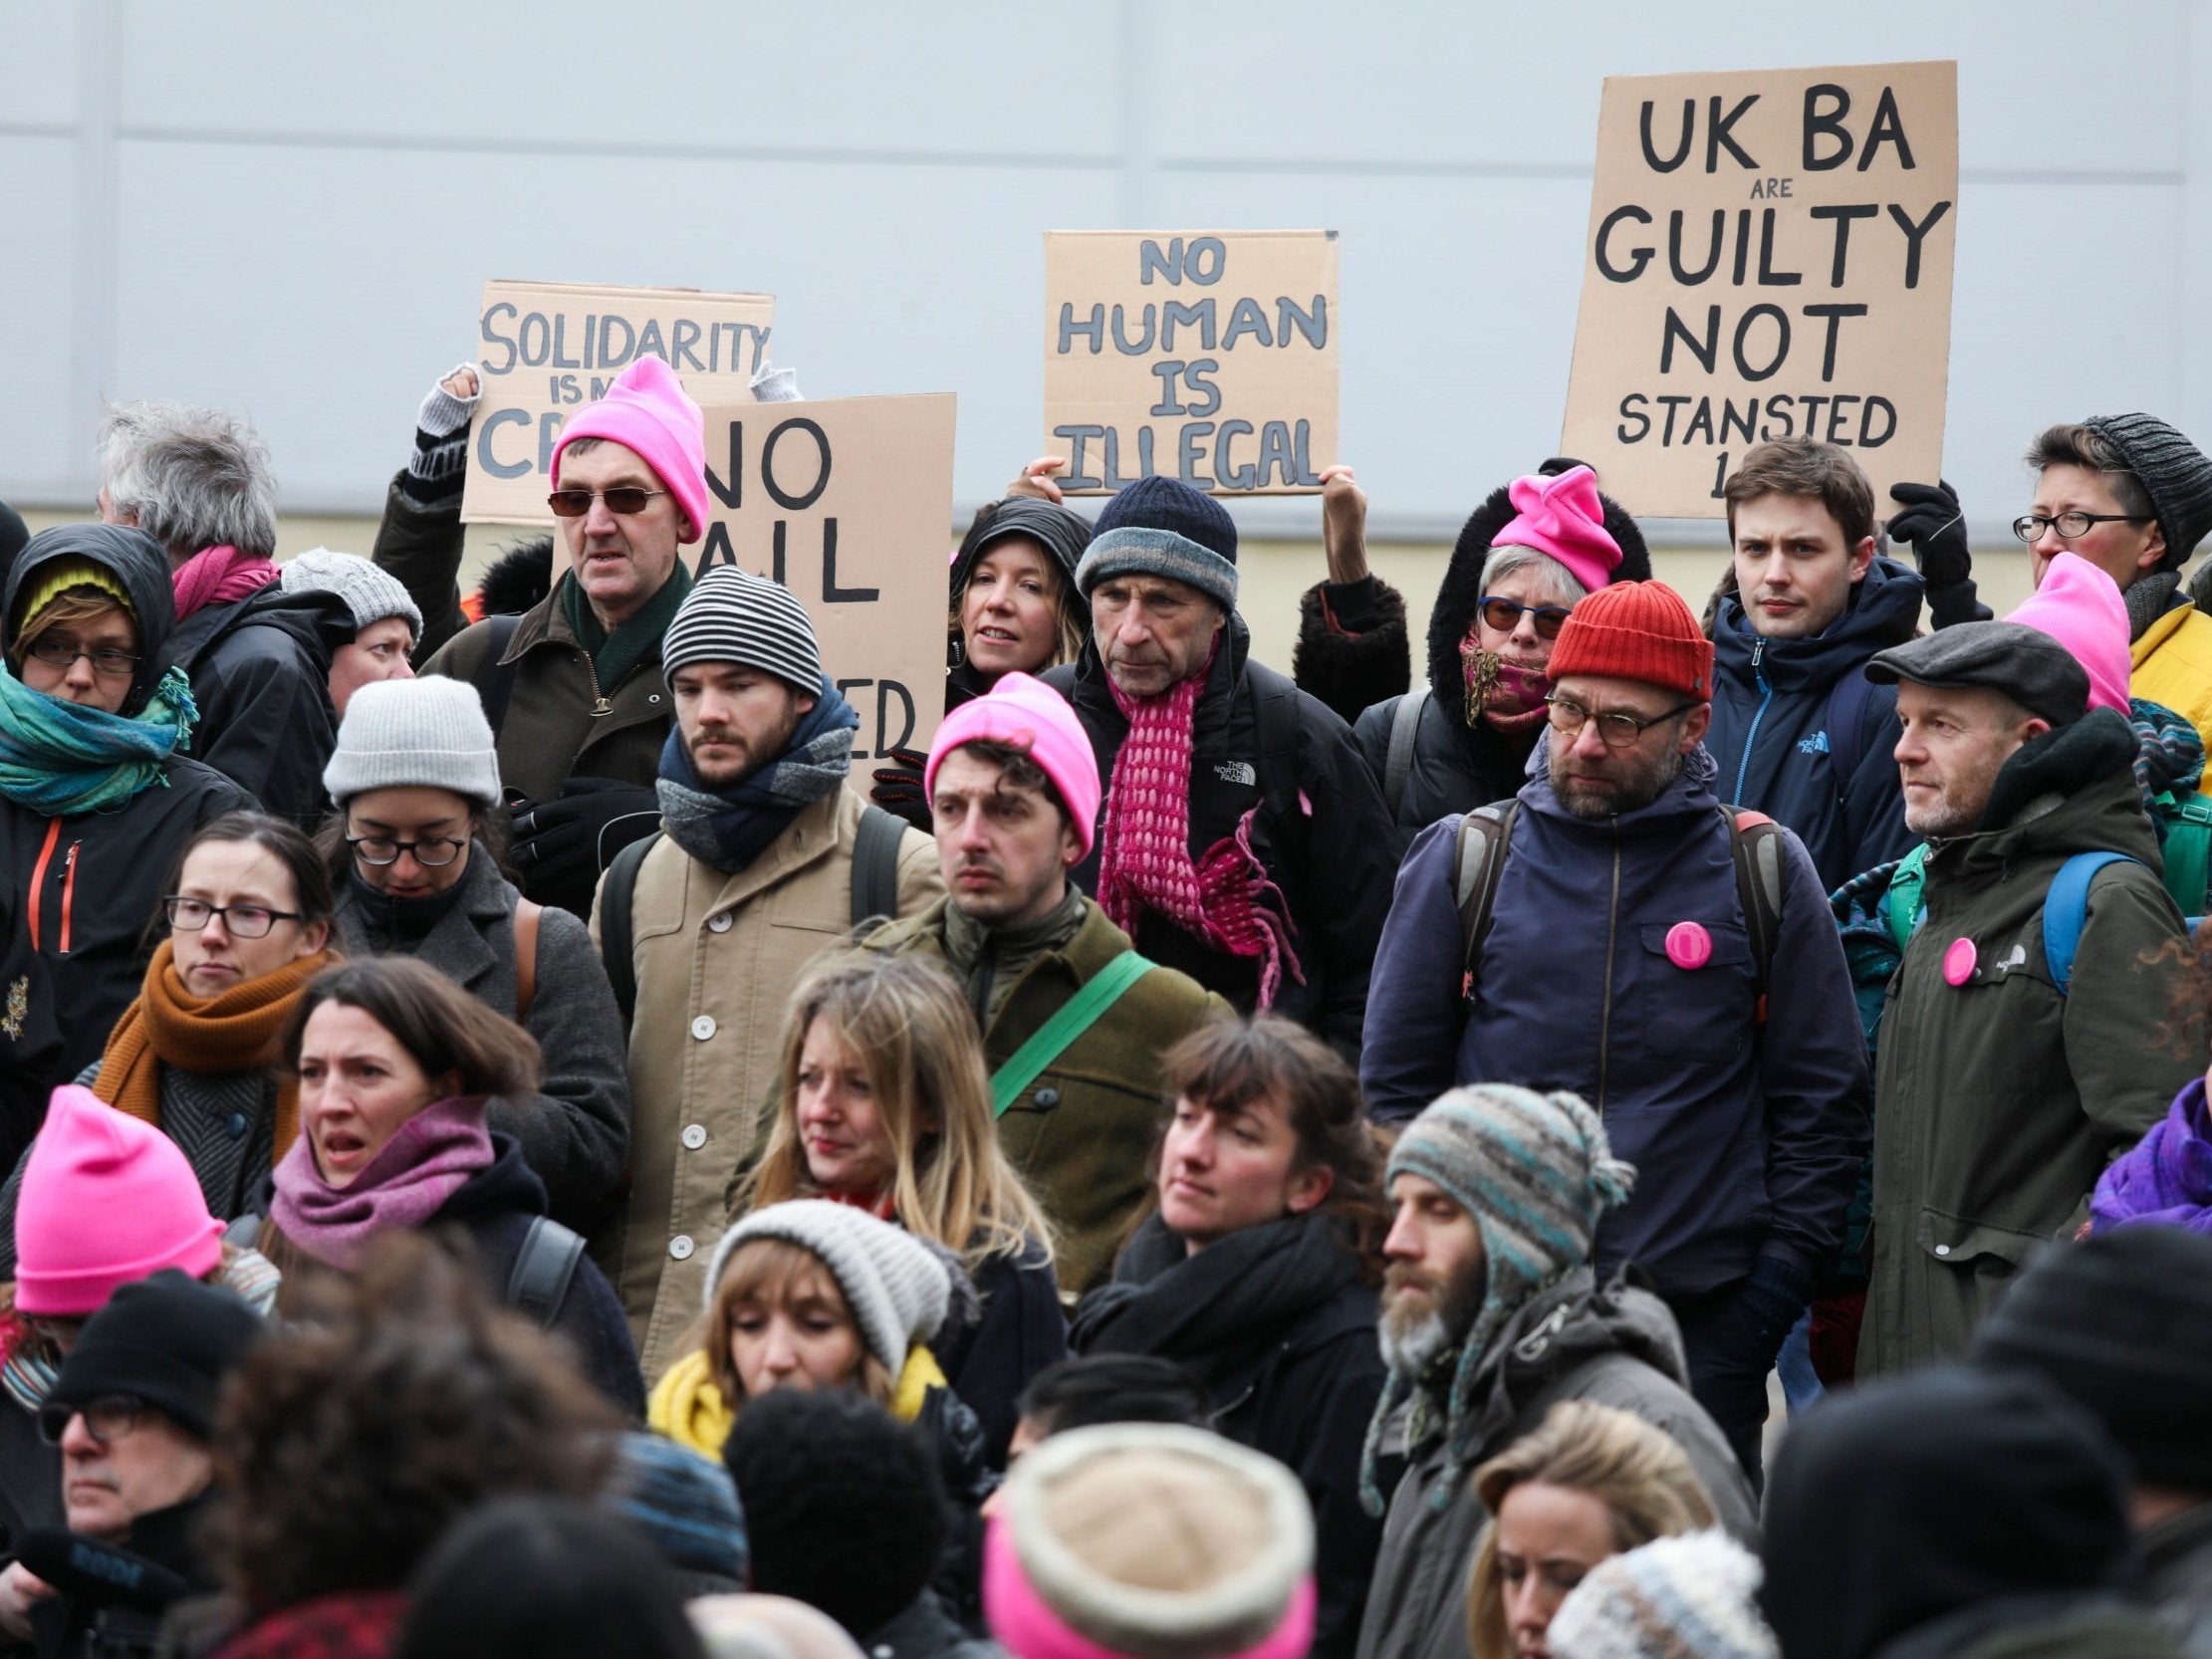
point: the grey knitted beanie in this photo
(729, 616)
(895, 1285)
(370, 593)
(400, 734)
(1689, 1597)
(2175, 472)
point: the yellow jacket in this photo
(2172, 664)
(687, 1407)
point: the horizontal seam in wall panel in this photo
(38, 130)
(1548, 170)
(616, 149)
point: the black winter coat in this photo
(1019, 1331)
(85, 1625)
(1455, 767)
(1319, 828)
(1278, 1325)
(260, 669)
(83, 888)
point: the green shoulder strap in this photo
(1901, 905)
(2187, 849)
(1076, 1016)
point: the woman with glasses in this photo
(244, 924)
(1527, 555)
(411, 853)
(96, 796)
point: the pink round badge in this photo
(1958, 962)
(1688, 945)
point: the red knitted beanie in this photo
(1635, 630)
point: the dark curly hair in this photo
(401, 1399)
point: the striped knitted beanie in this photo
(1688, 1597)
(729, 616)
(1535, 1171)
(1162, 527)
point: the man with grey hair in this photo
(258, 659)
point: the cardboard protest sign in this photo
(848, 503)
(1209, 357)
(546, 349)
(1770, 255)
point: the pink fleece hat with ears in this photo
(1564, 517)
(647, 409)
(2080, 606)
(106, 1200)
(1028, 714)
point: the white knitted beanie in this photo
(370, 593)
(896, 1285)
(1688, 1597)
(400, 734)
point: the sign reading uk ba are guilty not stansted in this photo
(1770, 255)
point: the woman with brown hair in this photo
(886, 1107)
(394, 1064)
(1257, 1273)
(1588, 1483)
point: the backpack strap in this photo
(875, 864)
(2066, 911)
(1755, 844)
(543, 1270)
(2187, 822)
(1478, 864)
(1901, 905)
(1073, 1018)
(494, 679)
(618, 896)
(1847, 702)
(1397, 764)
(527, 917)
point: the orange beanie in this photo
(1635, 630)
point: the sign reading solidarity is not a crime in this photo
(1769, 255)
(848, 502)
(546, 348)
(1208, 356)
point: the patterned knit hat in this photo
(372, 594)
(647, 412)
(1150, 1540)
(1688, 1597)
(1535, 1171)
(729, 616)
(1636, 630)
(896, 1286)
(683, 1503)
(1162, 527)
(429, 733)
(64, 573)
(2175, 473)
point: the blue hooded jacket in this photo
(1747, 1140)
(1773, 701)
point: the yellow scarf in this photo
(686, 1405)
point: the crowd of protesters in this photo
(514, 1146)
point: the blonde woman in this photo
(885, 1106)
(1588, 1484)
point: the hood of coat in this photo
(1907, 1501)
(1580, 1320)
(1461, 590)
(137, 560)
(1884, 610)
(2071, 790)
(1688, 795)
(317, 619)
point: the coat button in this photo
(1047, 1098)
(719, 923)
(680, 1247)
(704, 1026)
(235, 1125)
(694, 1135)
(1944, 1250)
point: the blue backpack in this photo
(2066, 908)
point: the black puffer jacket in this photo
(1277, 1323)
(260, 669)
(1457, 767)
(1259, 744)
(83, 889)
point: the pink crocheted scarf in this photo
(217, 575)
(1224, 899)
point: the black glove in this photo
(561, 847)
(1936, 526)
(898, 788)
(1770, 1301)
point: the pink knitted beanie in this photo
(2080, 606)
(1564, 517)
(1028, 714)
(647, 409)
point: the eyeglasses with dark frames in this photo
(623, 500)
(241, 921)
(430, 852)
(1616, 730)
(60, 653)
(1504, 614)
(2031, 527)
(110, 1417)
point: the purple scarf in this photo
(2167, 1178)
(402, 1186)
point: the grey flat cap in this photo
(2025, 663)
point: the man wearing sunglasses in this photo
(572, 689)
(134, 1413)
(1632, 954)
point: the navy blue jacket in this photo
(1770, 734)
(1746, 1142)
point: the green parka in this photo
(1998, 1102)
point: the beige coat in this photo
(716, 958)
